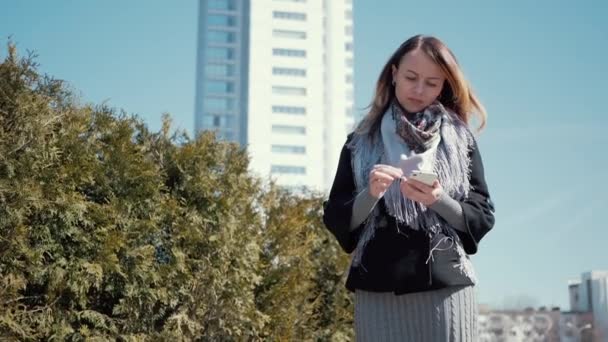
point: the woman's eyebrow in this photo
(412, 71)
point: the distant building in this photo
(589, 294)
(576, 326)
(534, 325)
(276, 76)
(586, 321)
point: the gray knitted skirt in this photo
(436, 316)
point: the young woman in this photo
(410, 239)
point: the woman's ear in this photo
(394, 73)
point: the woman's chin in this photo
(413, 108)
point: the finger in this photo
(387, 167)
(375, 177)
(380, 187)
(437, 193)
(394, 171)
(378, 176)
(409, 190)
(380, 166)
(420, 186)
(388, 172)
(414, 194)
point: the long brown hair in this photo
(455, 95)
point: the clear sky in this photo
(538, 66)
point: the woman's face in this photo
(418, 81)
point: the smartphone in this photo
(424, 177)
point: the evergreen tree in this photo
(109, 231)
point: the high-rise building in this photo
(590, 294)
(276, 76)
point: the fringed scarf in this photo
(434, 140)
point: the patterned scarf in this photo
(422, 130)
(444, 141)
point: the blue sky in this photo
(538, 66)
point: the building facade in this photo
(532, 325)
(276, 76)
(587, 319)
(590, 294)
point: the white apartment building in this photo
(276, 76)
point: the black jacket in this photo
(394, 261)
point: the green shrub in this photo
(111, 232)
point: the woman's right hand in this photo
(381, 177)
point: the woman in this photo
(410, 271)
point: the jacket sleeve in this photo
(477, 208)
(337, 209)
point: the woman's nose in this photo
(418, 89)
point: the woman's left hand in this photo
(420, 192)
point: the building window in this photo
(221, 37)
(222, 4)
(221, 104)
(286, 129)
(207, 121)
(348, 14)
(348, 30)
(288, 169)
(349, 62)
(289, 15)
(221, 20)
(289, 34)
(289, 52)
(219, 87)
(289, 71)
(349, 112)
(222, 70)
(281, 90)
(220, 53)
(224, 121)
(217, 121)
(289, 110)
(289, 149)
(349, 94)
(348, 46)
(348, 78)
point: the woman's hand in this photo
(381, 177)
(420, 192)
